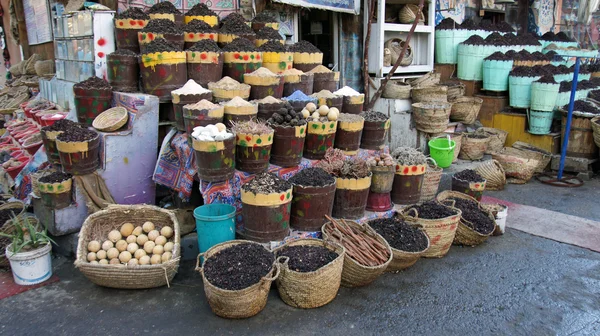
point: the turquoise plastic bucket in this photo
(540, 122)
(215, 224)
(446, 45)
(519, 91)
(563, 77)
(543, 96)
(470, 60)
(495, 75)
(562, 99)
(441, 149)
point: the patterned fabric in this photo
(23, 185)
(457, 14)
(176, 167)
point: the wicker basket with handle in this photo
(465, 235)
(395, 46)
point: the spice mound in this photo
(267, 183)
(76, 134)
(305, 258)
(240, 44)
(272, 46)
(312, 177)
(164, 7)
(159, 45)
(162, 26)
(320, 69)
(227, 83)
(408, 156)
(262, 72)
(133, 13)
(190, 88)
(55, 177)
(236, 26)
(198, 26)
(399, 234)
(474, 217)
(268, 33)
(93, 83)
(304, 47)
(61, 125)
(202, 105)
(431, 210)
(374, 116)
(347, 91)
(207, 45)
(469, 175)
(123, 52)
(200, 9)
(264, 17)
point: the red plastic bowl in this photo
(5, 141)
(17, 154)
(49, 120)
(26, 133)
(14, 171)
(33, 148)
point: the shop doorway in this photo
(319, 27)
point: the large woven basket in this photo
(431, 180)
(493, 172)
(355, 274)
(402, 259)
(455, 90)
(596, 130)
(441, 231)
(408, 14)
(427, 80)
(310, 289)
(99, 224)
(18, 209)
(437, 93)
(518, 166)
(464, 234)
(111, 119)
(497, 139)
(465, 109)
(395, 46)
(431, 117)
(473, 148)
(237, 304)
(396, 90)
(533, 152)
(44, 68)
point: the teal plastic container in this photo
(441, 149)
(543, 96)
(470, 60)
(495, 75)
(532, 48)
(540, 122)
(446, 45)
(562, 99)
(563, 77)
(519, 91)
(215, 224)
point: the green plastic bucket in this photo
(470, 60)
(540, 122)
(543, 96)
(519, 91)
(446, 45)
(215, 224)
(495, 75)
(441, 149)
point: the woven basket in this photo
(99, 224)
(464, 234)
(518, 166)
(44, 68)
(30, 66)
(429, 94)
(473, 148)
(395, 46)
(596, 130)
(440, 232)
(402, 259)
(497, 138)
(493, 172)
(353, 273)
(15, 70)
(431, 181)
(455, 90)
(427, 80)
(396, 90)
(111, 119)
(535, 153)
(310, 289)
(408, 14)
(237, 304)
(18, 209)
(431, 117)
(465, 109)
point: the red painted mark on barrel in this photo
(405, 170)
(121, 23)
(203, 56)
(257, 57)
(191, 35)
(246, 57)
(140, 22)
(248, 138)
(100, 54)
(422, 169)
(236, 56)
(162, 72)
(282, 197)
(414, 168)
(132, 22)
(151, 36)
(102, 41)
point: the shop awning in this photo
(344, 6)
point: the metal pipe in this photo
(563, 153)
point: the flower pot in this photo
(288, 145)
(31, 267)
(310, 205)
(351, 197)
(215, 159)
(319, 137)
(408, 181)
(266, 216)
(252, 152)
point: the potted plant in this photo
(29, 251)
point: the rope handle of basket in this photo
(431, 161)
(277, 271)
(415, 211)
(283, 260)
(449, 202)
(198, 268)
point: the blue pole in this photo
(563, 153)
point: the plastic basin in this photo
(215, 224)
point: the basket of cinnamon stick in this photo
(367, 253)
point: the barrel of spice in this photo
(235, 28)
(215, 159)
(92, 97)
(127, 26)
(79, 149)
(163, 69)
(298, 100)
(320, 136)
(375, 131)
(264, 19)
(165, 10)
(408, 181)
(238, 110)
(306, 56)
(190, 93)
(267, 34)
(240, 57)
(228, 88)
(325, 79)
(202, 113)
(348, 134)
(266, 211)
(296, 80)
(276, 57)
(123, 70)
(201, 12)
(56, 190)
(49, 134)
(352, 100)
(267, 106)
(288, 142)
(253, 147)
(204, 62)
(197, 30)
(351, 197)
(326, 97)
(264, 83)
(314, 192)
(161, 28)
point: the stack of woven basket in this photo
(431, 109)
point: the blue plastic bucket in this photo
(540, 122)
(215, 224)
(543, 96)
(495, 75)
(441, 149)
(519, 91)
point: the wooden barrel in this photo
(581, 138)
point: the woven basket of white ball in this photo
(129, 246)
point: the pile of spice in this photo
(347, 91)
(263, 73)
(240, 44)
(93, 83)
(469, 175)
(237, 102)
(498, 56)
(349, 117)
(583, 106)
(159, 45)
(236, 26)
(268, 33)
(268, 100)
(227, 83)
(190, 88)
(320, 69)
(264, 17)
(234, 17)
(473, 217)
(55, 177)
(408, 156)
(324, 94)
(198, 26)
(206, 45)
(548, 79)
(200, 9)
(76, 134)
(267, 183)
(164, 7)
(124, 52)
(272, 46)
(374, 116)
(399, 234)
(132, 13)
(287, 116)
(304, 47)
(475, 40)
(202, 105)
(447, 24)
(312, 177)
(431, 210)
(496, 39)
(305, 258)
(559, 37)
(162, 26)
(61, 126)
